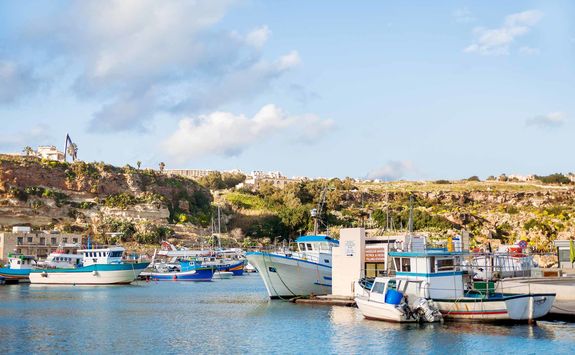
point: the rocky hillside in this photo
(97, 198)
(492, 211)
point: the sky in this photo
(367, 89)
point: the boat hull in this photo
(191, 275)
(521, 307)
(381, 311)
(15, 275)
(109, 274)
(286, 277)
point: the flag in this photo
(71, 148)
(571, 251)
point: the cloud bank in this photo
(496, 41)
(228, 134)
(392, 170)
(138, 58)
(550, 120)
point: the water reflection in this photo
(233, 316)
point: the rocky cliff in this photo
(97, 198)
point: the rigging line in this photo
(270, 279)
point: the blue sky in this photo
(381, 89)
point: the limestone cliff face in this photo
(47, 193)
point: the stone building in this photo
(36, 243)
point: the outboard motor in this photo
(426, 310)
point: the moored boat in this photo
(303, 273)
(183, 271)
(386, 299)
(446, 282)
(19, 267)
(99, 267)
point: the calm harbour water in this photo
(234, 316)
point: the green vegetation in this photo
(219, 181)
(554, 179)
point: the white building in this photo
(49, 152)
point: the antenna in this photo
(410, 223)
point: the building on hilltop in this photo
(49, 152)
(189, 173)
(40, 244)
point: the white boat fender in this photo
(95, 273)
(44, 274)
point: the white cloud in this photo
(144, 57)
(496, 41)
(36, 135)
(463, 15)
(392, 170)
(228, 134)
(526, 50)
(258, 37)
(15, 82)
(550, 120)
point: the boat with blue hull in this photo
(99, 267)
(19, 267)
(302, 273)
(236, 267)
(185, 271)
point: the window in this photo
(564, 255)
(378, 287)
(20, 240)
(301, 246)
(309, 247)
(272, 269)
(53, 241)
(64, 240)
(405, 264)
(445, 264)
(75, 240)
(42, 241)
(29, 239)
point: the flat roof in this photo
(316, 238)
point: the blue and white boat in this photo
(302, 273)
(19, 267)
(441, 276)
(99, 267)
(184, 271)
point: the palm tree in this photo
(138, 164)
(162, 166)
(28, 151)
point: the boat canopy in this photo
(316, 238)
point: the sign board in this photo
(349, 248)
(374, 255)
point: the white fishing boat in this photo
(302, 273)
(446, 282)
(386, 299)
(99, 267)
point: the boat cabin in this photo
(21, 262)
(316, 243)
(392, 290)
(441, 271)
(316, 248)
(111, 255)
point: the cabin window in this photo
(272, 269)
(378, 287)
(405, 264)
(18, 262)
(326, 261)
(432, 264)
(445, 264)
(309, 247)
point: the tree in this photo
(138, 164)
(28, 151)
(162, 166)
